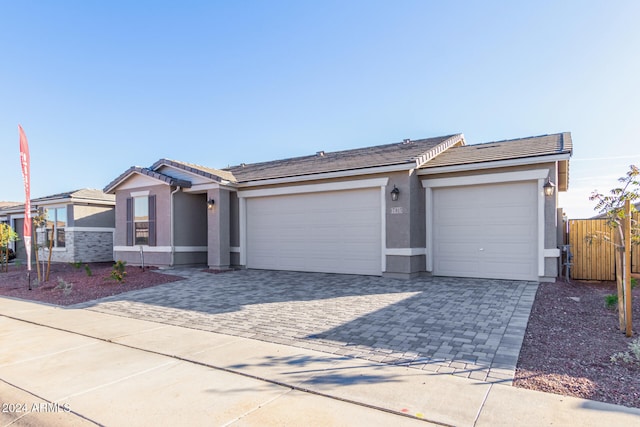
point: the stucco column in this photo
(218, 219)
(405, 226)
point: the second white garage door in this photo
(486, 231)
(333, 232)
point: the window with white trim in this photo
(141, 216)
(141, 220)
(55, 225)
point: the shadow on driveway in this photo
(448, 325)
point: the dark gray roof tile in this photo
(323, 162)
(147, 172)
(535, 146)
(213, 174)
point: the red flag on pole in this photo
(26, 176)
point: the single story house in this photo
(433, 205)
(80, 225)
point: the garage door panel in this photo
(486, 231)
(463, 267)
(327, 232)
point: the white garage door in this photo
(333, 232)
(487, 231)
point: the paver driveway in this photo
(468, 327)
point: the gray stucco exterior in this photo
(189, 232)
(89, 226)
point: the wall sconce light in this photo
(549, 187)
(394, 193)
(210, 203)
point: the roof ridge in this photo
(333, 153)
(440, 148)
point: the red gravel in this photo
(566, 350)
(568, 345)
(84, 287)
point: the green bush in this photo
(611, 301)
(87, 270)
(118, 273)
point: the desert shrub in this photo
(118, 272)
(66, 287)
(630, 356)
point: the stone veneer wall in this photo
(93, 246)
(85, 246)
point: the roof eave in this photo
(495, 164)
(396, 167)
(136, 170)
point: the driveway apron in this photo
(466, 327)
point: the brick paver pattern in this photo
(466, 327)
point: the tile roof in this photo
(84, 193)
(8, 204)
(535, 146)
(214, 174)
(322, 162)
(109, 188)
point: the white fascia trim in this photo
(92, 229)
(201, 188)
(428, 203)
(139, 193)
(242, 202)
(490, 178)
(406, 251)
(74, 201)
(315, 188)
(330, 175)
(93, 201)
(160, 249)
(541, 228)
(495, 164)
(383, 227)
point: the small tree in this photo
(612, 207)
(40, 222)
(7, 235)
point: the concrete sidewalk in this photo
(78, 367)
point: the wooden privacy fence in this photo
(596, 260)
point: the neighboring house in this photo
(80, 225)
(602, 216)
(432, 205)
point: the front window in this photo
(56, 223)
(141, 220)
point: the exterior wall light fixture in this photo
(394, 193)
(210, 203)
(549, 187)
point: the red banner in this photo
(26, 176)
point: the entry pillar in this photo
(218, 224)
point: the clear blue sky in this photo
(100, 86)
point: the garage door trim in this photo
(538, 175)
(243, 195)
